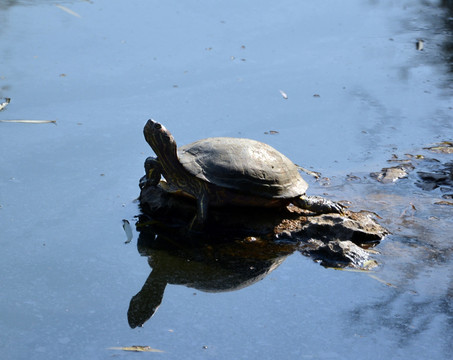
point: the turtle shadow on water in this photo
(239, 246)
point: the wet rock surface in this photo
(333, 240)
(338, 253)
(431, 173)
(439, 176)
(392, 174)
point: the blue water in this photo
(358, 91)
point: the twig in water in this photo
(31, 121)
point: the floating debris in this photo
(128, 230)
(381, 281)
(399, 161)
(315, 174)
(444, 147)
(419, 45)
(392, 174)
(271, 132)
(69, 11)
(353, 270)
(444, 202)
(417, 156)
(352, 177)
(31, 121)
(136, 348)
(408, 212)
(316, 95)
(284, 95)
(5, 103)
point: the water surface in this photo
(357, 90)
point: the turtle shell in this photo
(243, 165)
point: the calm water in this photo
(357, 90)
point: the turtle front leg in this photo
(319, 205)
(153, 172)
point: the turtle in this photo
(227, 171)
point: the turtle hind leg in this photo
(318, 205)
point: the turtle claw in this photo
(339, 208)
(335, 207)
(319, 205)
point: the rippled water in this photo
(358, 92)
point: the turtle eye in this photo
(157, 126)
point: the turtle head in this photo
(159, 138)
(167, 162)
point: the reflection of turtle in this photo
(228, 171)
(208, 268)
(227, 263)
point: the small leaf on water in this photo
(367, 271)
(284, 95)
(445, 147)
(444, 202)
(381, 281)
(69, 11)
(127, 230)
(136, 348)
(31, 121)
(419, 45)
(5, 103)
(271, 132)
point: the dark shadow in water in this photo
(437, 32)
(447, 47)
(206, 266)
